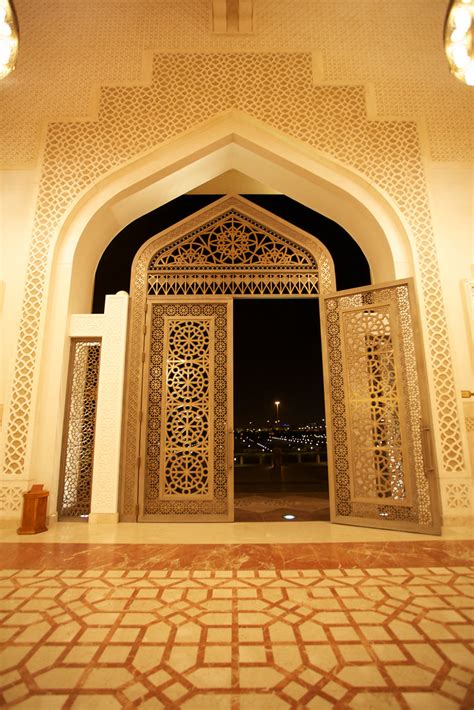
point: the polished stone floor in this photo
(262, 507)
(95, 616)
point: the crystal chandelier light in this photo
(458, 39)
(8, 38)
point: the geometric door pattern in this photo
(186, 461)
(379, 437)
(177, 452)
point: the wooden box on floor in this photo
(35, 503)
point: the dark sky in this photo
(277, 342)
(277, 356)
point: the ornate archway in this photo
(178, 445)
(179, 373)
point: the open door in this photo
(186, 437)
(381, 466)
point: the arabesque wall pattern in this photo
(394, 46)
(186, 90)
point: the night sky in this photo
(277, 342)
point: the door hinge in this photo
(140, 417)
(143, 356)
(139, 460)
(144, 329)
(137, 510)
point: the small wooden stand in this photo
(35, 502)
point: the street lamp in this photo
(277, 405)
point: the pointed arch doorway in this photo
(178, 441)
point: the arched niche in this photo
(232, 141)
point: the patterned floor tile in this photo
(325, 637)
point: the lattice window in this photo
(233, 255)
(78, 449)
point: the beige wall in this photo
(382, 93)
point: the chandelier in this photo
(458, 39)
(8, 38)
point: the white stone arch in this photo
(232, 141)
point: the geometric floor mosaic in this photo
(240, 639)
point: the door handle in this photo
(427, 450)
(230, 448)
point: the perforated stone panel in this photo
(234, 254)
(458, 496)
(10, 497)
(68, 49)
(188, 89)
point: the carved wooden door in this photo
(381, 466)
(186, 443)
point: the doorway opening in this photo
(280, 450)
(247, 260)
(178, 438)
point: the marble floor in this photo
(271, 507)
(124, 616)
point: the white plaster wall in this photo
(17, 203)
(108, 431)
(451, 190)
(18, 190)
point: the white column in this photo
(108, 429)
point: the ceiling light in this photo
(458, 39)
(8, 38)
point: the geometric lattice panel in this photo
(458, 496)
(76, 469)
(405, 87)
(185, 428)
(377, 431)
(233, 254)
(374, 399)
(248, 639)
(11, 497)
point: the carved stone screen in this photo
(186, 462)
(378, 419)
(74, 498)
(233, 254)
